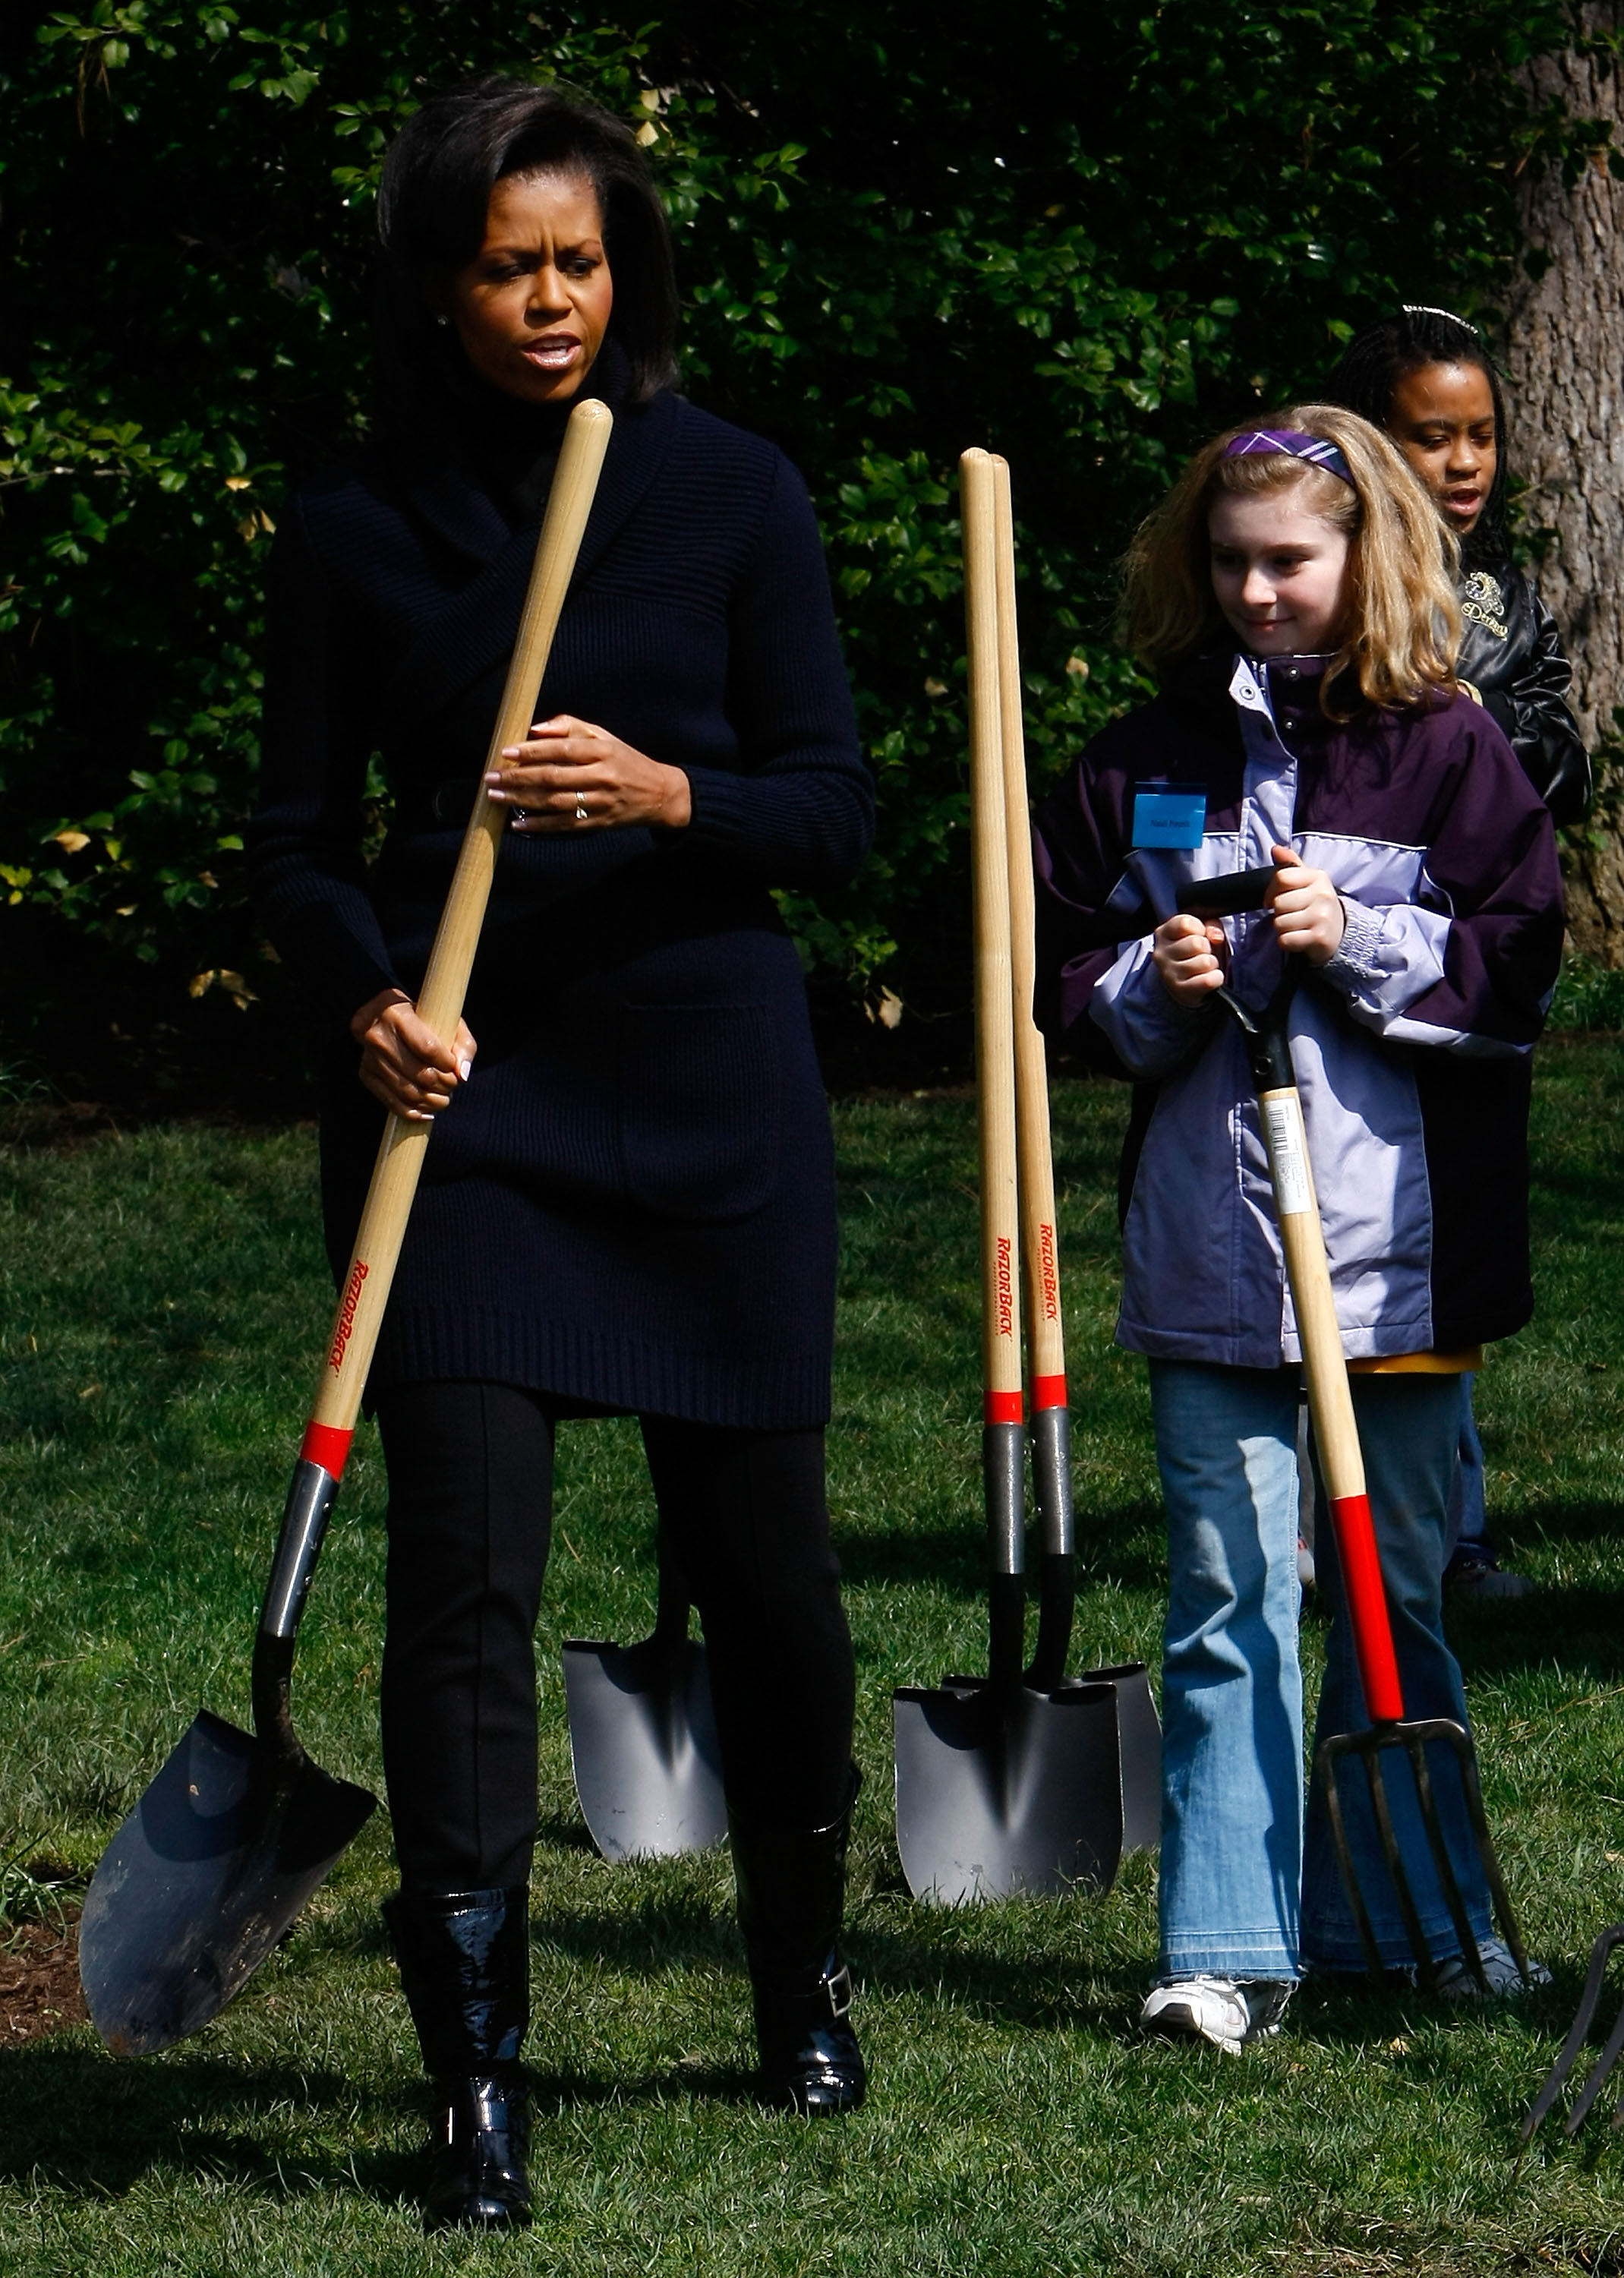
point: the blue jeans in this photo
(1235, 1899)
(1468, 1515)
(1231, 1685)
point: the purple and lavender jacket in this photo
(1412, 1045)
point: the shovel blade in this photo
(204, 1878)
(1139, 1738)
(643, 1741)
(1004, 1792)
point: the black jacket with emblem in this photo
(632, 1202)
(1510, 653)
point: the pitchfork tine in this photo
(1599, 2070)
(1378, 1785)
(1472, 1787)
(1556, 2079)
(1415, 1747)
(1372, 1952)
(1367, 1747)
(1415, 1738)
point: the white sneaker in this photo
(1457, 1982)
(1228, 2012)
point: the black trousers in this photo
(470, 1480)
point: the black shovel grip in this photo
(1227, 895)
(1051, 1482)
(1003, 1482)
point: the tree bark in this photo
(1566, 366)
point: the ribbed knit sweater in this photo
(632, 1202)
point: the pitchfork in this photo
(1557, 2078)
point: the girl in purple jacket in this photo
(1294, 597)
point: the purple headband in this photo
(1314, 448)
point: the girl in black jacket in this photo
(1427, 377)
(629, 1204)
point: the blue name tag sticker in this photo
(1165, 815)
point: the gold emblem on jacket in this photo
(1482, 602)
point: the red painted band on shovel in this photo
(1361, 1578)
(326, 1445)
(1002, 1408)
(1047, 1392)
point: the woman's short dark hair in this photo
(441, 168)
(1367, 380)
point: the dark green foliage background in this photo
(1082, 242)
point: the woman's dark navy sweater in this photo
(632, 1202)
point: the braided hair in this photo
(1368, 377)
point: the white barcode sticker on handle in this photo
(1287, 1151)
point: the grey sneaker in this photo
(1228, 2012)
(1457, 1983)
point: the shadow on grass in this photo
(1032, 1970)
(557, 1833)
(1575, 1633)
(1417, 2038)
(92, 2125)
(1568, 1522)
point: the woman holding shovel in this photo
(1293, 596)
(628, 1205)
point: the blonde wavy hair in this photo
(1402, 632)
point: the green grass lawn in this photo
(162, 1301)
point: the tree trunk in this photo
(1565, 365)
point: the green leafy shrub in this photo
(1083, 246)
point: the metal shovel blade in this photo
(999, 1792)
(642, 1740)
(201, 1881)
(1139, 1739)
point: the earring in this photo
(442, 322)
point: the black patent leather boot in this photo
(791, 1883)
(465, 1968)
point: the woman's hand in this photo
(1310, 917)
(1184, 950)
(573, 776)
(403, 1062)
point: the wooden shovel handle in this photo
(1002, 1465)
(364, 1291)
(1330, 1403)
(1001, 1344)
(1046, 1353)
